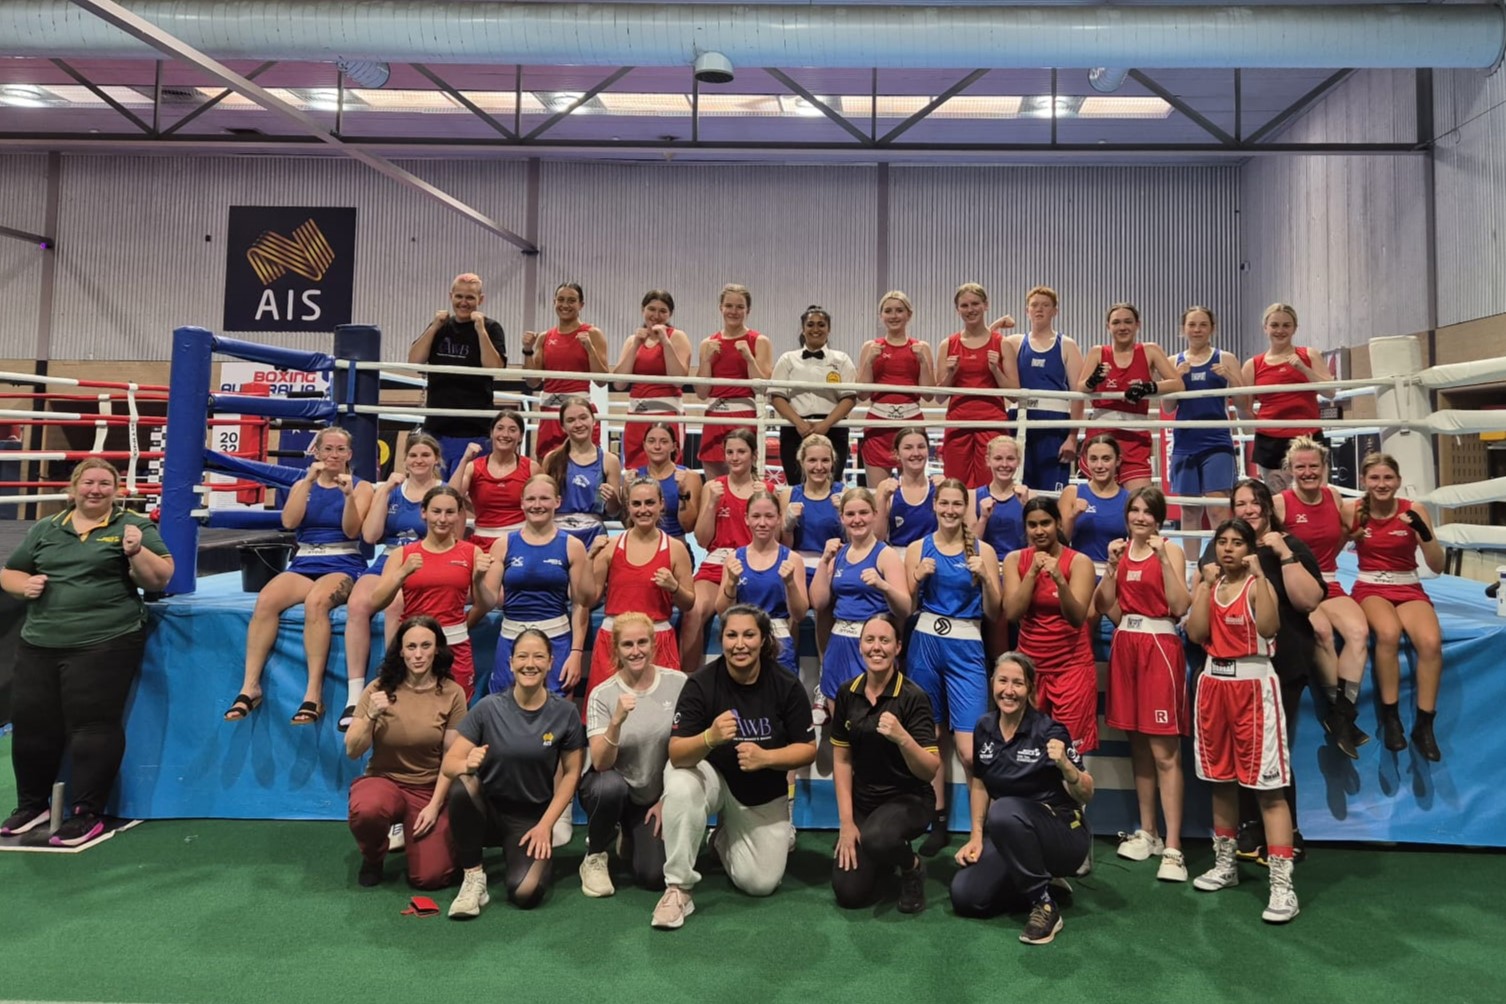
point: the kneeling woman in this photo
(407, 717)
(326, 509)
(518, 759)
(740, 725)
(627, 724)
(1239, 736)
(885, 755)
(1027, 793)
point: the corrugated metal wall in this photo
(23, 203)
(1160, 238)
(143, 243)
(1470, 179)
(1342, 239)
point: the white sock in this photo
(353, 688)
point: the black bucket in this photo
(260, 563)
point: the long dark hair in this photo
(393, 671)
(1245, 531)
(1262, 493)
(768, 650)
(1048, 506)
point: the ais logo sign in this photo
(289, 268)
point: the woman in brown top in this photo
(407, 718)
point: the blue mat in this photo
(183, 761)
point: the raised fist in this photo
(130, 540)
(475, 758)
(412, 563)
(925, 568)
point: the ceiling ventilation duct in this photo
(898, 37)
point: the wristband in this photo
(1290, 559)
(706, 738)
(528, 352)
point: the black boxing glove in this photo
(1419, 527)
(1099, 375)
(1140, 390)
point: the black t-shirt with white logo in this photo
(1019, 767)
(455, 344)
(773, 711)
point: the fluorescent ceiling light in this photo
(1099, 107)
(667, 105)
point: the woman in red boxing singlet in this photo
(1137, 370)
(900, 361)
(569, 346)
(736, 352)
(974, 358)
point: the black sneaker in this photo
(1395, 737)
(78, 829)
(1045, 921)
(1250, 841)
(912, 888)
(935, 841)
(23, 820)
(371, 874)
(1426, 742)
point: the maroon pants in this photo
(377, 803)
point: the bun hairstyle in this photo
(969, 541)
(806, 315)
(1362, 508)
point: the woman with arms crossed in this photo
(79, 575)
(1239, 740)
(628, 721)
(741, 725)
(517, 760)
(1026, 794)
(407, 718)
(884, 758)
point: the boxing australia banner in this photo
(289, 268)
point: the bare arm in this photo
(865, 369)
(690, 497)
(679, 563)
(423, 346)
(296, 506)
(1018, 589)
(993, 596)
(1174, 577)
(374, 528)
(353, 515)
(1077, 598)
(1170, 380)
(1198, 616)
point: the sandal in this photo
(347, 718)
(308, 713)
(242, 707)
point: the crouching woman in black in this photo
(884, 750)
(1027, 793)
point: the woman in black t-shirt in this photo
(1293, 572)
(883, 741)
(1027, 792)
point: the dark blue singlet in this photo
(908, 522)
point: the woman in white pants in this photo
(740, 724)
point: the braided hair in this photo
(969, 541)
(1362, 509)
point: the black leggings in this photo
(1249, 806)
(1025, 843)
(608, 802)
(884, 837)
(478, 821)
(73, 700)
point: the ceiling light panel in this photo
(1123, 108)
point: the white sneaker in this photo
(596, 877)
(1225, 871)
(793, 835)
(564, 829)
(1140, 845)
(472, 896)
(1282, 906)
(1086, 868)
(1173, 866)
(673, 907)
(395, 839)
(818, 710)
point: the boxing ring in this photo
(183, 761)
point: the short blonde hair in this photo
(970, 287)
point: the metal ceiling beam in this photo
(45, 243)
(821, 106)
(935, 103)
(98, 92)
(160, 40)
(463, 101)
(1192, 113)
(1299, 106)
(563, 113)
(212, 102)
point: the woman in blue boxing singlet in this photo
(1203, 461)
(906, 505)
(812, 516)
(589, 478)
(680, 486)
(954, 581)
(326, 509)
(998, 517)
(1093, 513)
(770, 576)
(394, 519)
(540, 576)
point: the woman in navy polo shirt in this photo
(884, 757)
(1027, 791)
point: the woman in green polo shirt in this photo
(80, 574)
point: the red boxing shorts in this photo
(1147, 678)
(1071, 698)
(1239, 732)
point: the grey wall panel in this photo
(794, 236)
(1342, 239)
(146, 245)
(1161, 238)
(23, 197)
(1470, 181)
